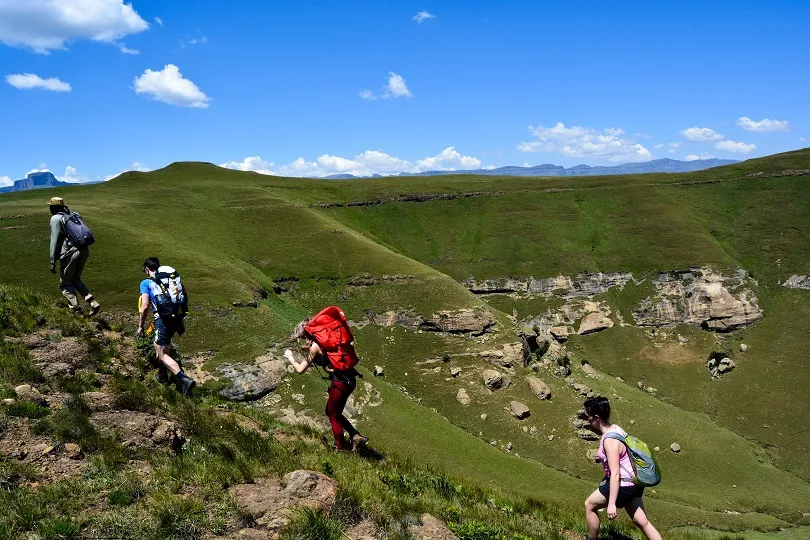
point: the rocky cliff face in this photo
(561, 286)
(34, 180)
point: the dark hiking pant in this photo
(70, 276)
(339, 392)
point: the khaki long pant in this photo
(70, 276)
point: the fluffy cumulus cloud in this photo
(395, 87)
(448, 160)
(367, 163)
(695, 157)
(610, 144)
(735, 147)
(28, 81)
(169, 86)
(763, 125)
(5, 181)
(45, 25)
(422, 16)
(701, 134)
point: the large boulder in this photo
(555, 353)
(251, 382)
(463, 321)
(271, 504)
(719, 365)
(509, 355)
(140, 430)
(26, 392)
(539, 388)
(519, 410)
(495, 380)
(594, 322)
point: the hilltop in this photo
(448, 277)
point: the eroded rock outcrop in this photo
(251, 382)
(539, 388)
(702, 298)
(140, 430)
(474, 322)
(562, 286)
(797, 282)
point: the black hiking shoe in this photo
(358, 442)
(185, 384)
(162, 377)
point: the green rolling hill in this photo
(412, 246)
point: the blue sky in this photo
(316, 88)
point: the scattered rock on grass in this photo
(73, 451)
(519, 410)
(594, 322)
(379, 371)
(431, 529)
(463, 397)
(26, 392)
(675, 447)
(455, 371)
(495, 380)
(560, 333)
(743, 347)
(539, 388)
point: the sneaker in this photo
(95, 307)
(358, 442)
(185, 384)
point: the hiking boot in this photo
(94, 306)
(358, 442)
(185, 384)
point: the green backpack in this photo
(645, 468)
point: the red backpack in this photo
(331, 332)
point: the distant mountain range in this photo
(35, 180)
(654, 166)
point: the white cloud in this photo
(763, 125)
(159, 21)
(695, 157)
(659, 146)
(367, 163)
(45, 25)
(169, 86)
(610, 144)
(193, 41)
(28, 81)
(135, 166)
(698, 134)
(674, 145)
(395, 87)
(735, 147)
(448, 160)
(423, 16)
(252, 163)
(127, 50)
(5, 181)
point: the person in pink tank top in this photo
(617, 489)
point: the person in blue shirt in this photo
(164, 330)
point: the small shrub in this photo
(178, 517)
(26, 409)
(58, 529)
(13, 473)
(311, 525)
(15, 364)
(77, 383)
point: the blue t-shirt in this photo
(151, 288)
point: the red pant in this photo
(339, 392)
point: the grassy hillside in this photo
(295, 245)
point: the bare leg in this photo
(635, 509)
(592, 504)
(162, 352)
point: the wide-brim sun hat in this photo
(56, 201)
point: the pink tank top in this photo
(625, 467)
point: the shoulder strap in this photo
(160, 284)
(617, 436)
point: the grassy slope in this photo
(237, 231)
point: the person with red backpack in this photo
(329, 343)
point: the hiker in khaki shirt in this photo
(71, 260)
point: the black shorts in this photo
(626, 493)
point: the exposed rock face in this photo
(54, 357)
(431, 529)
(271, 503)
(463, 321)
(718, 366)
(562, 286)
(495, 380)
(463, 397)
(589, 370)
(251, 382)
(594, 322)
(700, 298)
(556, 353)
(26, 392)
(140, 430)
(797, 282)
(560, 333)
(519, 410)
(98, 401)
(455, 371)
(539, 388)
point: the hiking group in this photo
(326, 342)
